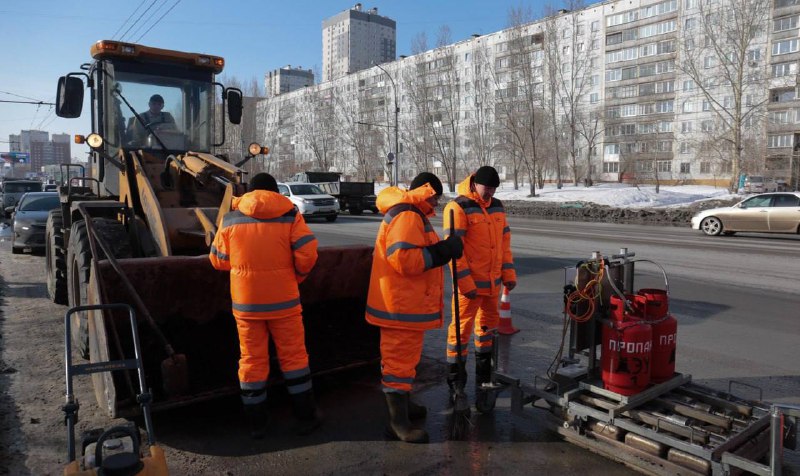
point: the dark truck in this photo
(354, 197)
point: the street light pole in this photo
(395, 176)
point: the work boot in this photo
(305, 410)
(415, 410)
(399, 424)
(257, 419)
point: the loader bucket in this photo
(190, 302)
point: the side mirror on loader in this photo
(234, 99)
(69, 97)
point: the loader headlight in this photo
(94, 141)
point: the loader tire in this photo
(79, 259)
(55, 258)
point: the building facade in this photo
(356, 39)
(671, 91)
(287, 79)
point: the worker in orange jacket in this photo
(480, 220)
(269, 250)
(406, 293)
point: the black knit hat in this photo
(427, 177)
(487, 175)
(263, 181)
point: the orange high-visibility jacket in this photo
(487, 260)
(405, 292)
(269, 250)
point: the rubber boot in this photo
(416, 411)
(399, 424)
(305, 410)
(257, 419)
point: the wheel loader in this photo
(138, 226)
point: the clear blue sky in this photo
(44, 39)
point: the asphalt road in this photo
(736, 300)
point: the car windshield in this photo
(38, 203)
(755, 179)
(760, 201)
(11, 187)
(306, 189)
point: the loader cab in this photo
(122, 81)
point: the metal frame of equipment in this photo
(676, 427)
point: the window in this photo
(647, 108)
(690, 23)
(708, 62)
(688, 106)
(665, 86)
(612, 149)
(685, 148)
(785, 201)
(610, 167)
(686, 127)
(628, 110)
(595, 44)
(664, 165)
(782, 95)
(688, 85)
(664, 106)
(466, 56)
(753, 56)
(581, 29)
(779, 140)
(594, 98)
(705, 167)
(613, 39)
(595, 81)
(785, 23)
(784, 69)
(629, 73)
(613, 75)
(707, 126)
(595, 25)
(644, 166)
(664, 126)
(706, 105)
(690, 4)
(565, 50)
(785, 46)
(685, 167)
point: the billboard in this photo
(16, 157)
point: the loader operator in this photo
(154, 117)
(406, 293)
(480, 220)
(269, 250)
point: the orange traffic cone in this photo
(505, 327)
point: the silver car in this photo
(764, 213)
(30, 219)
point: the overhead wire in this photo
(146, 21)
(121, 38)
(114, 36)
(158, 21)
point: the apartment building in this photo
(356, 39)
(624, 90)
(287, 79)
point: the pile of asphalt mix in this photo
(587, 211)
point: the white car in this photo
(310, 200)
(765, 213)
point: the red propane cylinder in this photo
(625, 358)
(665, 334)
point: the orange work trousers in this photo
(482, 313)
(288, 335)
(401, 350)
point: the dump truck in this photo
(355, 197)
(137, 228)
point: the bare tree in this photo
(416, 138)
(316, 124)
(590, 128)
(445, 115)
(478, 105)
(354, 134)
(722, 50)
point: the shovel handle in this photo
(454, 276)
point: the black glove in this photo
(455, 245)
(443, 251)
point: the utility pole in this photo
(395, 176)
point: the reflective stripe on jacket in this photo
(269, 250)
(405, 292)
(487, 260)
